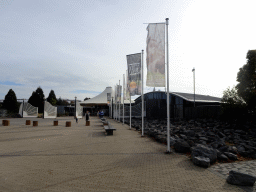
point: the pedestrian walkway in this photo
(83, 158)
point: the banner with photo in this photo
(108, 97)
(127, 92)
(115, 93)
(156, 55)
(124, 87)
(119, 91)
(134, 73)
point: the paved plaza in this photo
(83, 158)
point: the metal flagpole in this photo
(194, 87)
(168, 102)
(130, 112)
(123, 96)
(119, 91)
(115, 102)
(22, 108)
(75, 107)
(142, 96)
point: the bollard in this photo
(87, 123)
(55, 123)
(35, 123)
(68, 124)
(6, 122)
(28, 122)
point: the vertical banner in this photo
(124, 88)
(108, 97)
(134, 73)
(119, 91)
(127, 85)
(115, 94)
(156, 55)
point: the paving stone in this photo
(80, 158)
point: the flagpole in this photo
(130, 112)
(22, 107)
(115, 102)
(168, 105)
(123, 96)
(119, 91)
(142, 96)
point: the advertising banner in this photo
(108, 97)
(156, 55)
(119, 91)
(134, 73)
(127, 92)
(115, 93)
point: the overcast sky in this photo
(79, 47)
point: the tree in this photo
(62, 102)
(233, 106)
(52, 98)
(86, 98)
(10, 102)
(37, 99)
(246, 77)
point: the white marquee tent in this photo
(101, 99)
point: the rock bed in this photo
(206, 140)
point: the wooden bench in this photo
(109, 129)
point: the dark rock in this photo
(181, 146)
(191, 143)
(222, 157)
(172, 141)
(240, 149)
(190, 133)
(199, 135)
(201, 161)
(203, 138)
(232, 149)
(236, 178)
(183, 136)
(203, 151)
(231, 156)
(210, 133)
(215, 145)
(253, 156)
(224, 149)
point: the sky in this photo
(79, 47)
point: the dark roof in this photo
(198, 98)
(190, 97)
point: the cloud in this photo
(10, 83)
(85, 91)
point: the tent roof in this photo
(101, 99)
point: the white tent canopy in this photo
(101, 99)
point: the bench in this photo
(109, 129)
(105, 123)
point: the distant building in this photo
(181, 105)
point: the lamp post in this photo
(193, 70)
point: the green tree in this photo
(37, 99)
(10, 102)
(86, 98)
(246, 77)
(233, 106)
(62, 102)
(52, 98)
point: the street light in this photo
(193, 70)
